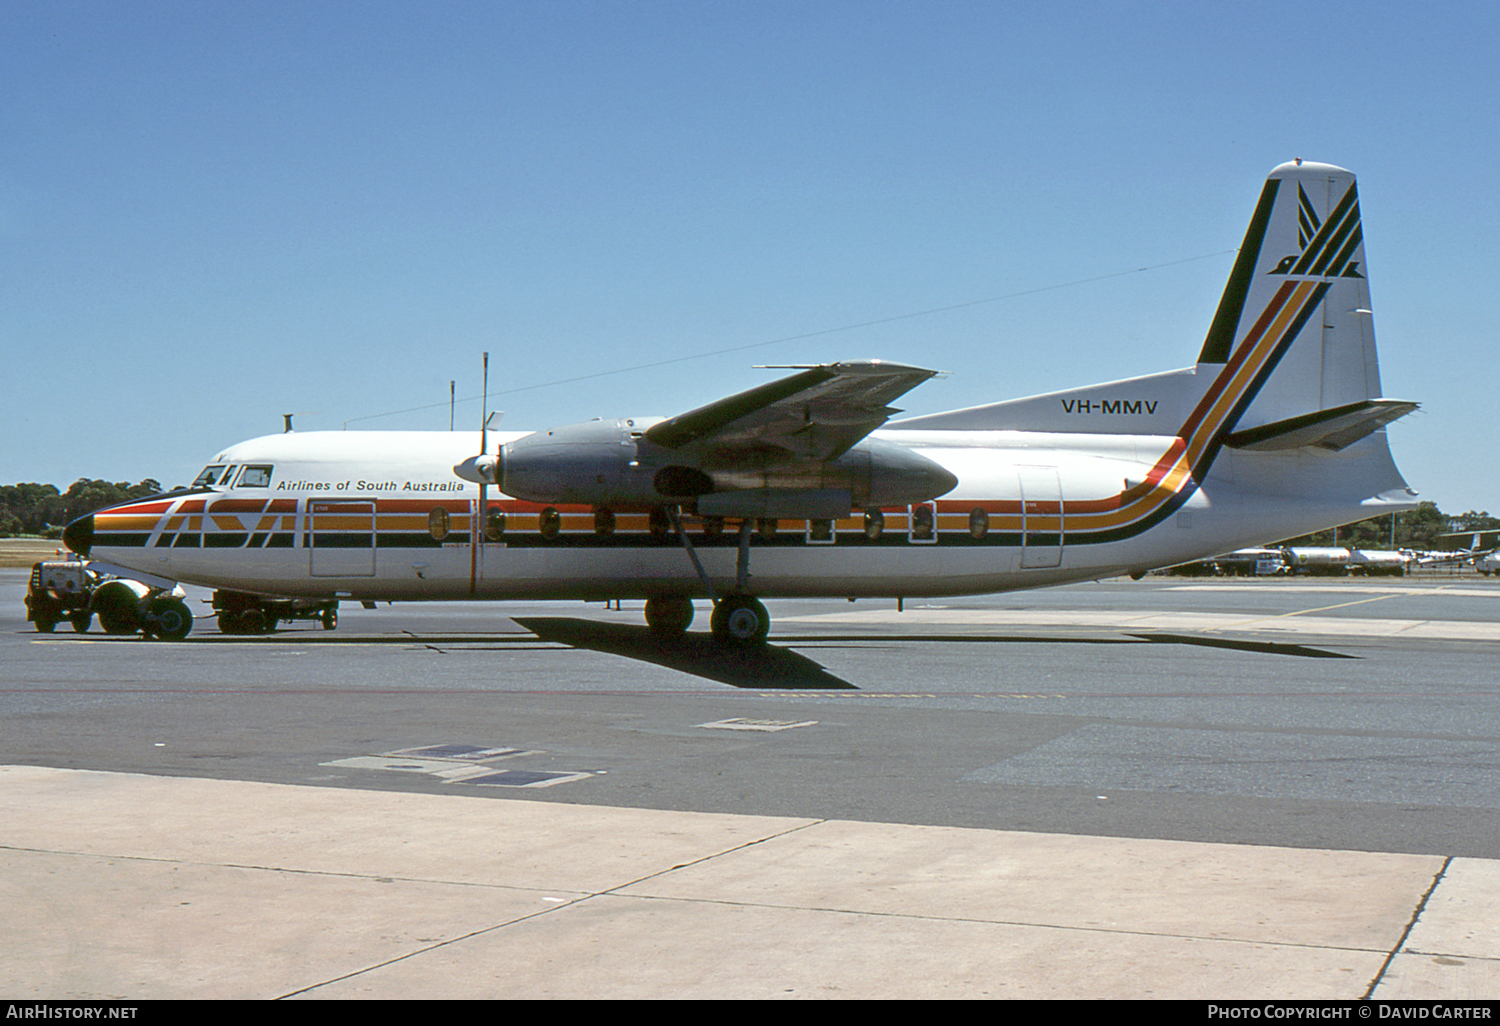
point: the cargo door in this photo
(1041, 517)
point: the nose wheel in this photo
(740, 620)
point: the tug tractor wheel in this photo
(252, 621)
(45, 612)
(170, 618)
(741, 620)
(118, 605)
(670, 614)
(330, 619)
(229, 622)
(81, 621)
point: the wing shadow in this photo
(764, 666)
(1267, 647)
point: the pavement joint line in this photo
(1410, 925)
(547, 911)
(871, 913)
(727, 851)
(1028, 924)
(433, 947)
(291, 870)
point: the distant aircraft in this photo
(804, 487)
(1479, 553)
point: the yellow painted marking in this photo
(1304, 612)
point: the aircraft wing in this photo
(819, 413)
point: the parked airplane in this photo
(801, 487)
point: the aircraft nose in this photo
(79, 535)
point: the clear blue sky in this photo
(216, 213)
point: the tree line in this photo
(41, 510)
(1419, 528)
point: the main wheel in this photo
(741, 620)
(330, 619)
(670, 614)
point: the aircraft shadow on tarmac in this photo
(763, 666)
(772, 666)
(1267, 647)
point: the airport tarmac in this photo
(1165, 788)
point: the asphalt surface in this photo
(1327, 714)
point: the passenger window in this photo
(255, 477)
(494, 524)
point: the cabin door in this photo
(341, 537)
(1041, 517)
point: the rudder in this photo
(1296, 309)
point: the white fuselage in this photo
(381, 515)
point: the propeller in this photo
(484, 469)
(484, 478)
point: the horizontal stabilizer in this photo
(1335, 428)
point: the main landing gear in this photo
(738, 618)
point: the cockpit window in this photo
(255, 477)
(209, 477)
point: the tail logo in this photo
(1327, 245)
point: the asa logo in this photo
(1328, 247)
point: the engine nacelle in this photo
(611, 463)
(593, 464)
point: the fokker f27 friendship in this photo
(804, 486)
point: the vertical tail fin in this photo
(1295, 315)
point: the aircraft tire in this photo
(118, 605)
(330, 619)
(670, 614)
(741, 620)
(45, 611)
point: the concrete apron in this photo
(137, 887)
